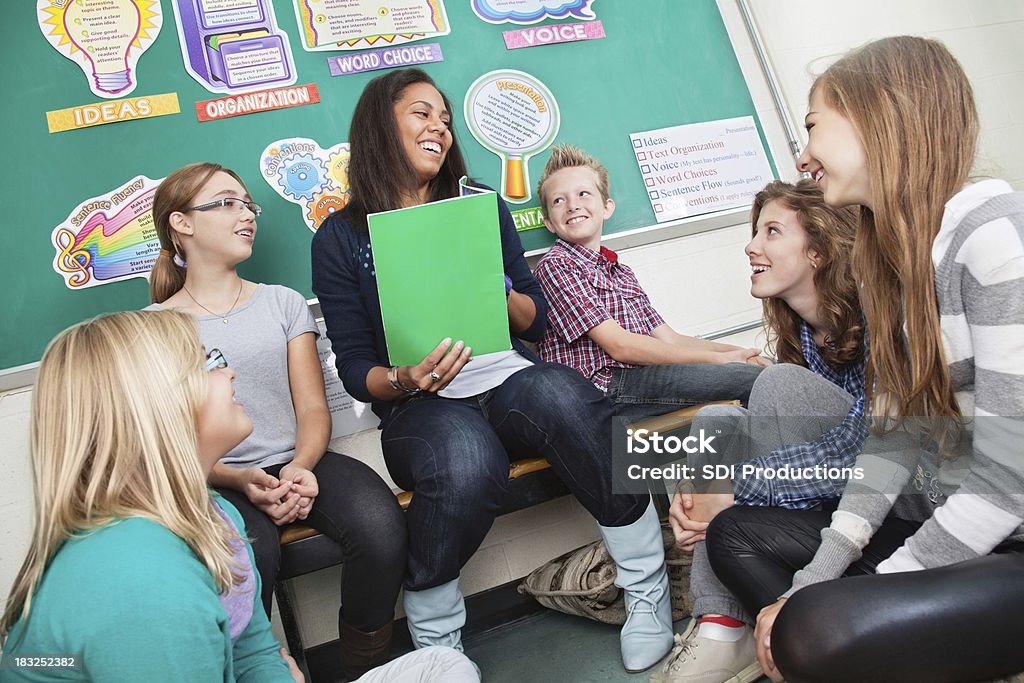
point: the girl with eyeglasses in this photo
(283, 472)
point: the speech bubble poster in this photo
(526, 12)
(105, 38)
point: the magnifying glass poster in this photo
(515, 116)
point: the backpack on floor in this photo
(582, 582)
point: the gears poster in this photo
(304, 173)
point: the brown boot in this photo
(361, 651)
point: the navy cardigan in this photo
(345, 283)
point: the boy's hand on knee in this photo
(687, 532)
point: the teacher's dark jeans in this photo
(454, 455)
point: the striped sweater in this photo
(969, 505)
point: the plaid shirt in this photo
(584, 288)
(837, 447)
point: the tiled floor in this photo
(553, 648)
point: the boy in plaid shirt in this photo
(601, 322)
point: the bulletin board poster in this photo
(515, 116)
(103, 37)
(348, 415)
(108, 238)
(309, 176)
(357, 24)
(701, 167)
(525, 12)
(233, 46)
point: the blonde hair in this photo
(176, 193)
(567, 156)
(114, 415)
(912, 105)
(830, 234)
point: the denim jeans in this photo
(355, 509)
(650, 390)
(454, 455)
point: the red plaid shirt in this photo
(584, 288)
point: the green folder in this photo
(440, 274)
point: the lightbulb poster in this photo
(104, 37)
(108, 238)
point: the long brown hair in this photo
(176, 193)
(912, 105)
(830, 234)
(379, 173)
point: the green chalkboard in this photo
(663, 63)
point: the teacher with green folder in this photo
(450, 421)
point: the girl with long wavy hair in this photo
(934, 524)
(284, 471)
(135, 572)
(800, 261)
(448, 423)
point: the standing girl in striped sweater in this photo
(935, 524)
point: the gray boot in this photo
(436, 615)
(639, 556)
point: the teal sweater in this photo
(133, 603)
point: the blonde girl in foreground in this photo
(136, 572)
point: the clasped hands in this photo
(285, 498)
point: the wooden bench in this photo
(531, 481)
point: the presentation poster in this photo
(348, 24)
(108, 238)
(103, 37)
(514, 115)
(701, 167)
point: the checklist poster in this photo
(701, 167)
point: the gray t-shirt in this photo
(255, 344)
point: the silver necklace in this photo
(223, 317)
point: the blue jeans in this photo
(650, 390)
(454, 455)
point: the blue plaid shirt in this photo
(837, 447)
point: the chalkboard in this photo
(663, 63)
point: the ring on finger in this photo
(434, 376)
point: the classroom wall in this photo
(802, 37)
(988, 36)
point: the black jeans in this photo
(355, 509)
(454, 455)
(961, 622)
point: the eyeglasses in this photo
(215, 359)
(229, 203)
